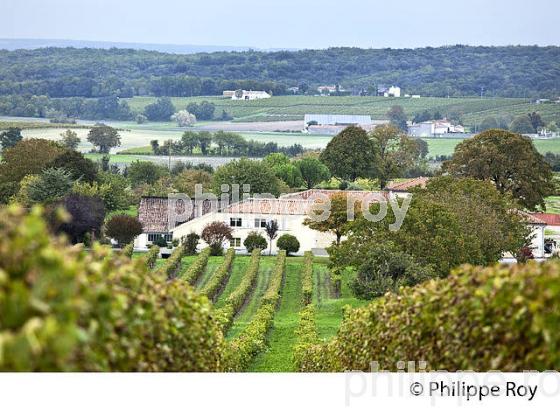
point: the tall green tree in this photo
(145, 172)
(522, 125)
(70, 140)
(312, 171)
(10, 137)
(450, 222)
(160, 110)
(395, 152)
(27, 157)
(76, 164)
(488, 123)
(350, 154)
(398, 117)
(510, 161)
(51, 185)
(104, 138)
(255, 174)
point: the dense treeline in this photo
(221, 143)
(458, 70)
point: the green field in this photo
(283, 108)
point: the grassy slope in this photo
(278, 356)
(245, 316)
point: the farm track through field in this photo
(253, 300)
(278, 355)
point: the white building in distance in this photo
(434, 128)
(392, 91)
(246, 95)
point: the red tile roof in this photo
(404, 186)
(298, 203)
(153, 215)
(549, 219)
(531, 218)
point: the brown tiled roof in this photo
(404, 186)
(291, 204)
(531, 218)
(270, 206)
(329, 192)
(549, 219)
(153, 215)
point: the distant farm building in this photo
(333, 124)
(391, 91)
(434, 128)
(331, 89)
(246, 95)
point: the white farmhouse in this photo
(153, 214)
(289, 211)
(392, 91)
(434, 128)
(248, 95)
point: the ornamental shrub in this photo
(254, 240)
(63, 309)
(289, 243)
(497, 318)
(123, 228)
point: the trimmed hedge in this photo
(172, 264)
(193, 272)
(235, 300)
(498, 318)
(307, 278)
(240, 351)
(128, 250)
(63, 309)
(307, 337)
(151, 257)
(216, 282)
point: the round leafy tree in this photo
(214, 234)
(254, 241)
(288, 243)
(510, 161)
(123, 228)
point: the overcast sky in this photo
(287, 23)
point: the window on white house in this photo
(152, 237)
(260, 223)
(235, 243)
(235, 222)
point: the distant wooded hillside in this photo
(520, 71)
